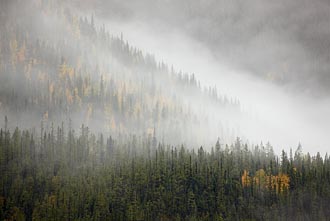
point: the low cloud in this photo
(282, 117)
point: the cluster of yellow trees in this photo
(280, 183)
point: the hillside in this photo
(94, 128)
(84, 74)
(64, 176)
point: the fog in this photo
(281, 81)
(284, 42)
(284, 117)
(164, 110)
(287, 44)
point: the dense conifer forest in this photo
(93, 128)
(82, 176)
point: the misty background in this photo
(164, 110)
(271, 60)
(283, 42)
(273, 56)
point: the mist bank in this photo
(281, 116)
(286, 43)
(80, 74)
(109, 84)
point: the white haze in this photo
(276, 115)
(283, 118)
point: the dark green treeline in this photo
(81, 176)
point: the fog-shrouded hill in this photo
(66, 62)
(57, 66)
(273, 56)
(112, 110)
(282, 42)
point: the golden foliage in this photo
(62, 70)
(89, 112)
(52, 200)
(69, 97)
(51, 88)
(71, 73)
(21, 54)
(76, 96)
(280, 183)
(283, 182)
(246, 179)
(45, 117)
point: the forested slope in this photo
(80, 176)
(57, 66)
(94, 129)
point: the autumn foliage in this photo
(280, 182)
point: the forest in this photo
(92, 77)
(93, 128)
(82, 176)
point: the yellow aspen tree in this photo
(69, 97)
(70, 72)
(45, 117)
(62, 70)
(246, 179)
(283, 182)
